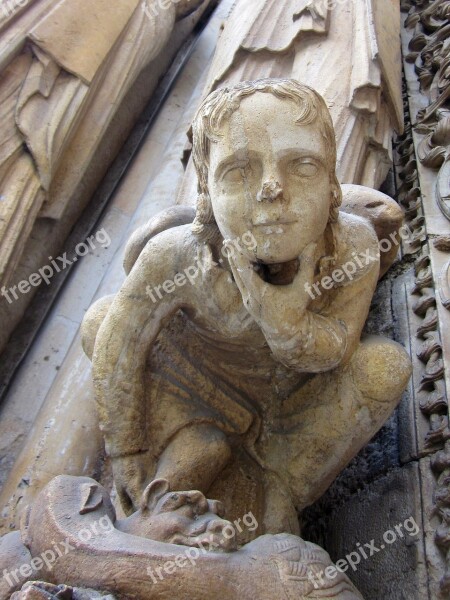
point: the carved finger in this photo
(125, 501)
(308, 255)
(307, 266)
(216, 507)
(236, 270)
(251, 280)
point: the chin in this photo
(276, 251)
(275, 258)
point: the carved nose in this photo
(216, 507)
(270, 191)
(198, 500)
(216, 526)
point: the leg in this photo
(194, 458)
(91, 323)
(334, 416)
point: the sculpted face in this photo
(184, 518)
(269, 175)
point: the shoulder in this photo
(354, 233)
(356, 243)
(174, 246)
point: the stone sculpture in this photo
(236, 383)
(324, 43)
(231, 360)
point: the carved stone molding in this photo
(424, 160)
(443, 243)
(429, 369)
(430, 52)
(430, 390)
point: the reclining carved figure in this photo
(72, 530)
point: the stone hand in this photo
(131, 478)
(277, 309)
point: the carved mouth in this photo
(275, 222)
(199, 531)
(273, 227)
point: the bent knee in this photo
(217, 444)
(91, 323)
(204, 441)
(382, 369)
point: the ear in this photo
(336, 200)
(153, 493)
(91, 498)
(204, 211)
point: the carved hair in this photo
(220, 106)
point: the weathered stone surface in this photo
(378, 461)
(345, 521)
(65, 94)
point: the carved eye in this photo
(303, 167)
(172, 502)
(236, 173)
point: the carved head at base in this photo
(183, 518)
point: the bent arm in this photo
(123, 343)
(324, 341)
(318, 345)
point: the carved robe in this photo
(66, 68)
(350, 54)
